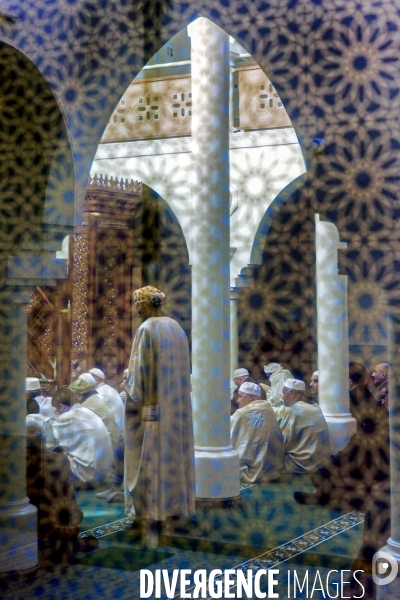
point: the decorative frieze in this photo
(101, 183)
(80, 305)
(162, 107)
(112, 225)
(152, 108)
(112, 195)
(258, 106)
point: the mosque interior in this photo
(102, 192)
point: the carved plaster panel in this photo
(152, 108)
(259, 104)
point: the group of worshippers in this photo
(86, 421)
(348, 480)
(74, 441)
(147, 441)
(276, 429)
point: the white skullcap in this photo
(98, 373)
(272, 367)
(240, 373)
(88, 377)
(32, 383)
(315, 373)
(295, 384)
(250, 388)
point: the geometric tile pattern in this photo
(335, 66)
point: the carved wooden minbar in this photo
(86, 320)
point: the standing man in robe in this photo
(159, 446)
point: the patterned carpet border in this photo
(245, 486)
(304, 542)
(297, 546)
(108, 529)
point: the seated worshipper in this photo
(115, 493)
(45, 407)
(42, 422)
(277, 376)
(304, 429)
(49, 487)
(381, 381)
(360, 394)
(314, 386)
(122, 393)
(88, 397)
(32, 386)
(256, 437)
(346, 482)
(44, 403)
(111, 396)
(84, 438)
(239, 377)
(32, 407)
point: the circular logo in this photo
(384, 568)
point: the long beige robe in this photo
(257, 438)
(306, 436)
(159, 447)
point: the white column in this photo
(391, 552)
(217, 464)
(333, 345)
(18, 518)
(234, 330)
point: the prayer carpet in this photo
(269, 530)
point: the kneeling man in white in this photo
(256, 436)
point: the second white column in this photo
(217, 464)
